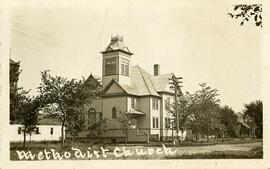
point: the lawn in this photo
(253, 153)
(241, 149)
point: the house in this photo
(130, 89)
(47, 129)
(242, 128)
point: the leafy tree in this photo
(228, 120)
(246, 12)
(27, 113)
(98, 129)
(75, 122)
(65, 99)
(203, 116)
(254, 113)
(23, 108)
(126, 122)
(183, 112)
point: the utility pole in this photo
(175, 85)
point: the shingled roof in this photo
(161, 82)
(143, 83)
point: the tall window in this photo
(110, 66)
(167, 122)
(91, 116)
(124, 67)
(155, 122)
(155, 103)
(114, 113)
(133, 103)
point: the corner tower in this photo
(116, 62)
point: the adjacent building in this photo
(47, 129)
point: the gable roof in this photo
(142, 83)
(161, 82)
(48, 121)
(111, 84)
(240, 119)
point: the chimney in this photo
(156, 69)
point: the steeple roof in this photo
(117, 44)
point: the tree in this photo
(27, 113)
(245, 12)
(98, 129)
(183, 111)
(75, 122)
(254, 113)
(65, 99)
(23, 108)
(228, 119)
(203, 104)
(126, 122)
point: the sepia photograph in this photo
(135, 80)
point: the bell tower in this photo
(116, 62)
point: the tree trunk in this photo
(62, 135)
(126, 137)
(24, 137)
(28, 145)
(172, 134)
(207, 135)
(182, 139)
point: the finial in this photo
(116, 38)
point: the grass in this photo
(36, 147)
(254, 153)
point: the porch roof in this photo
(136, 112)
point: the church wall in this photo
(120, 103)
(143, 105)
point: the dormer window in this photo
(110, 66)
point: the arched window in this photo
(91, 116)
(114, 113)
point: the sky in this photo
(195, 40)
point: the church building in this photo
(146, 97)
